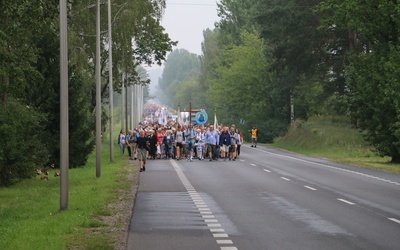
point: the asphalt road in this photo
(267, 199)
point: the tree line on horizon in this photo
(332, 57)
(30, 72)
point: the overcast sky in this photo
(185, 20)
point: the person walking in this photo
(254, 136)
(128, 139)
(122, 141)
(239, 142)
(190, 136)
(179, 138)
(153, 144)
(224, 143)
(211, 139)
(142, 147)
(168, 143)
(133, 143)
(234, 141)
(160, 148)
(200, 144)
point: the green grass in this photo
(333, 138)
(30, 216)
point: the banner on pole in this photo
(185, 118)
(201, 117)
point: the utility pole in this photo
(291, 107)
(111, 89)
(131, 109)
(64, 120)
(98, 93)
(126, 101)
(123, 103)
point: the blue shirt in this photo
(211, 137)
(190, 135)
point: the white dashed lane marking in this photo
(220, 235)
(284, 178)
(206, 213)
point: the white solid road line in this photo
(345, 201)
(311, 188)
(394, 220)
(332, 167)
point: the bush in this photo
(21, 148)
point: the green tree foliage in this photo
(242, 89)
(211, 50)
(373, 71)
(29, 74)
(181, 66)
(236, 16)
(300, 61)
(21, 21)
(22, 142)
(375, 100)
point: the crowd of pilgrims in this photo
(175, 141)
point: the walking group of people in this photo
(178, 142)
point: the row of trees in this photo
(29, 74)
(268, 58)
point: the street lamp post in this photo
(98, 93)
(111, 90)
(64, 131)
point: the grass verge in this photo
(333, 138)
(30, 216)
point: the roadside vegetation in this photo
(334, 138)
(30, 210)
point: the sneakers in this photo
(252, 146)
(255, 146)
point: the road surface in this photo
(268, 199)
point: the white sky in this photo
(185, 20)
